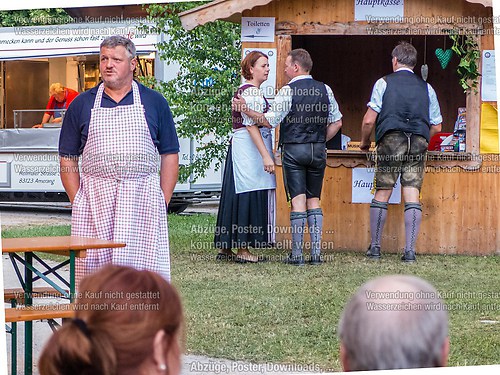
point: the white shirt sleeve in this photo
(280, 107)
(333, 108)
(434, 109)
(378, 91)
(255, 101)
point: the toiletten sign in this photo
(257, 29)
(378, 10)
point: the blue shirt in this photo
(158, 116)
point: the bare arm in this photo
(435, 129)
(70, 176)
(45, 119)
(367, 128)
(332, 129)
(259, 143)
(169, 172)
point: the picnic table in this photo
(69, 246)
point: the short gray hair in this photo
(117, 40)
(406, 54)
(394, 322)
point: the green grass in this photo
(270, 312)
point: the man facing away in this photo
(124, 134)
(405, 113)
(394, 322)
(309, 116)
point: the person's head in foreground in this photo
(394, 322)
(126, 322)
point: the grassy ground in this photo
(270, 312)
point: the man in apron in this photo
(120, 130)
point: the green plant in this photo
(465, 46)
(200, 96)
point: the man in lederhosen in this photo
(124, 135)
(405, 113)
(309, 116)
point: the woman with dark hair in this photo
(126, 322)
(246, 210)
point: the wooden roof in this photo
(230, 10)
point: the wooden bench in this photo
(16, 295)
(38, 312)
(13, 315)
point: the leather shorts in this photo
(400, 154)
(303, 169)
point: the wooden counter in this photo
(459, 201)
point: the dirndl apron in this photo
(120, 197)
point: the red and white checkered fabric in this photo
(120, 198)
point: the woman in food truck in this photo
(60, 98)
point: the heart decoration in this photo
(444, 57)
(424, 71)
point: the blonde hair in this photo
(56, 88)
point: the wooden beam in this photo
(473, 115)
(365, 28)
(229, 10)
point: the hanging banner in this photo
(378, 10)
(496, 28)
(66, 40)
(36, 4)
(488, 79)
(488, 136)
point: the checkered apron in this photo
(120, 198)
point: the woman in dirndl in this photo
(246, 214)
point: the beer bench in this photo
(35, 269)
(11, 295)
(28, 314)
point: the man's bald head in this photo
(394, 322)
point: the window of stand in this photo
(351, 64)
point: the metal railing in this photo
(18, 117)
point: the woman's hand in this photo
(268, 164)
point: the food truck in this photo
(34, 57)
(350, 42)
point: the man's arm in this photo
(332, 129)
(239, 105)
(367, 128)
(169, 172)
(70, 175)
(434, 130)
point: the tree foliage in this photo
(34, 17)
(200, 95)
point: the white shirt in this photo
(283, 102)
(254, 98)
(380, 86)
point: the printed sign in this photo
(378, 10)
(257, 29)
(488, 79)
(30, 172)
(362, 185)
(269, 86)
(35, 4)
(69, 39)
